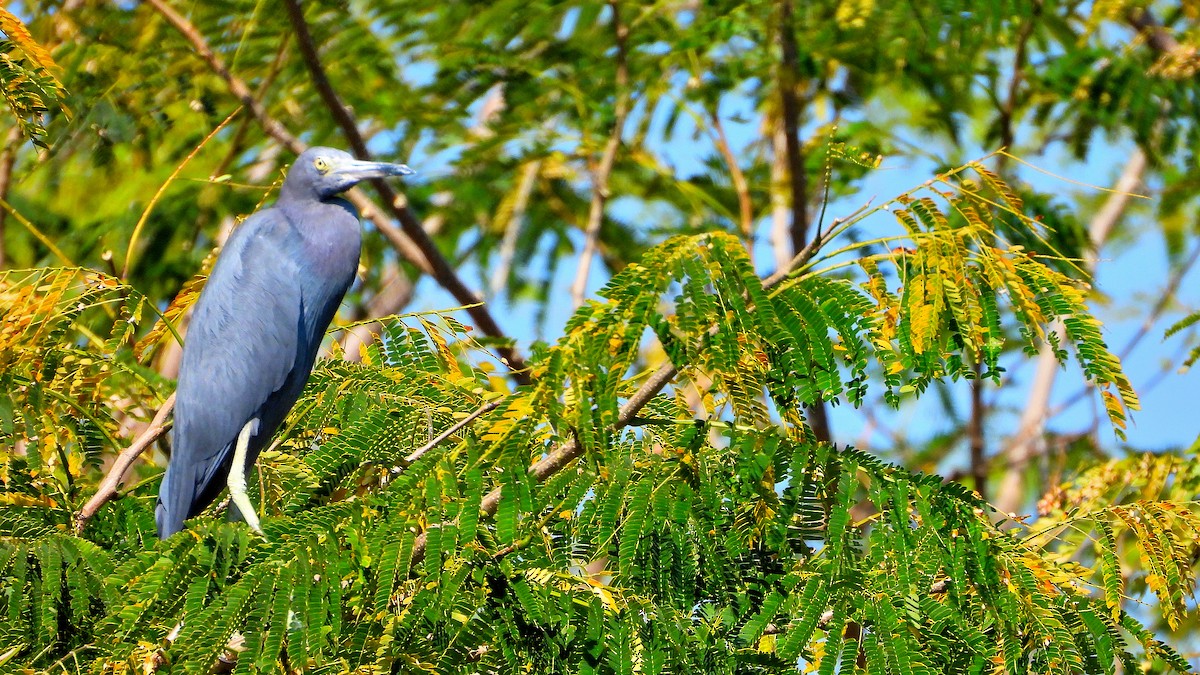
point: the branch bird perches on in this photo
(410, 240)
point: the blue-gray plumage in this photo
(256, 329)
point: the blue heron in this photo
(256, 329)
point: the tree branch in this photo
(798, 178)
(1159, 39)
(562, 456)
(745, 208)
(457, 427)
(8, 158)
(1028, 442)
(108, 487)
(411, 241)
(441, 270)
(602, 172)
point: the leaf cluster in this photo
(710, 533)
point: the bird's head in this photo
(325, 172)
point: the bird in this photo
(255, 331)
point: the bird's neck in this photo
(309, 210)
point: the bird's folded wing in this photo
(241, 344)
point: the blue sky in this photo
(1132, 274)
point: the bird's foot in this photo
(237, 479)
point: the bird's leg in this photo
(237, 477)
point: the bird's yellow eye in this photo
(320, 164)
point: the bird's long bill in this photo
(360, 170)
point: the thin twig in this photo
(410, 241)
(237, 142)
(601, 174)
(116, 475)
(562, 456)
(740, 186)
(8, 158)
(806, 254)
(137, 229)
(437, 440)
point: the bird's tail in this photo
(169, 520)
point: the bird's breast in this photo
(333, 242)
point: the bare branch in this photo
(457, 427)
(1028, 441)
(116, 475)
(273, 127)
(602, 172)
(745, 208)
(413, 242)
(562, 456)
(441, 270)
(1159, 39)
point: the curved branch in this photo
(604, 170)
(440, 268)
(410, 240)
(562, 456)
(108, 487)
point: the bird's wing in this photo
(241, 347)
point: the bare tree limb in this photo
(562, 456)
(740, 186)
(601, 173)
(437, 440)
(1028, 441)
(413, 243)
(273, 127)
(441, 270)
(8, 158)
(1159, 39)
(108, 487)
(791, 108)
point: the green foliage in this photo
(1183, 324)
(710, 534)
(26, 81)
(728, 542)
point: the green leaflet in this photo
(710, 534)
